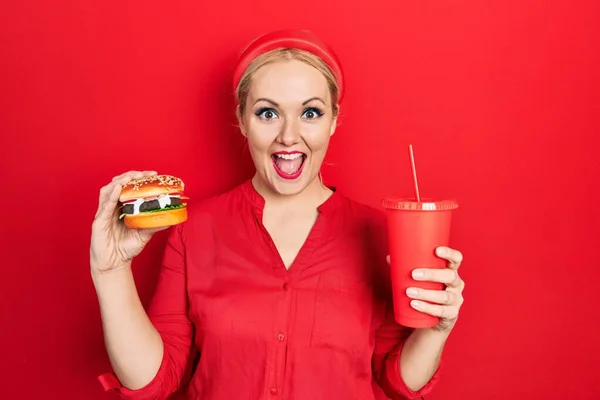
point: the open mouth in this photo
(289, 165)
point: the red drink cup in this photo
(415, 229)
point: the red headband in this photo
(296, 39)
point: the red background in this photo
(501, 102)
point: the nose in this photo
(289, 134)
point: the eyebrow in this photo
(277, 105)
(314, 98)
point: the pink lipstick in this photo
(288, 164)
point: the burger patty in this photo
(150, 205)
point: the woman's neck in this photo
(313, 195)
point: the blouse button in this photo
(280, 337)
(273, 391)
(285, 286)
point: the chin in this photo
(287, 188)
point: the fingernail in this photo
(410, 292)
(418, 274)
(415, 304)
(441, 251)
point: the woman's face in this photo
(288, 121)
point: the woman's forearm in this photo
(134, 346)
(421, 356)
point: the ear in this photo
(241, 124)
(334, 122)
(333, 126)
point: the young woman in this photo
(279, 288)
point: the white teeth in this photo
(289, 156)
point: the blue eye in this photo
(266, 113)
(312, 113)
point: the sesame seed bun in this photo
(158, 219)
(151, 186)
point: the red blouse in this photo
(243, 327)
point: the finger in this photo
(109, 208)
(454, 257)
(121, 179)
(445, 312)
(125, 179)
(102, 197)
(446, 276)
(133, 175)
(444, 297)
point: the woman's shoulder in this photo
(216, 206)
(216, 201)
(368, 224)
(356, 216)
(354, 209)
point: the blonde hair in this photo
(278, 55)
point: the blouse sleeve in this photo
(168, 312)
(389, 340)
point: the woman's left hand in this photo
(440, 303)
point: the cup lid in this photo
(423, 205)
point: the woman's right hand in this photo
(113, 245)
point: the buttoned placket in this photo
(276, 361)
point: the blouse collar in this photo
(258, 202)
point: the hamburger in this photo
(153, 202)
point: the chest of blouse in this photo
(241, 294)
